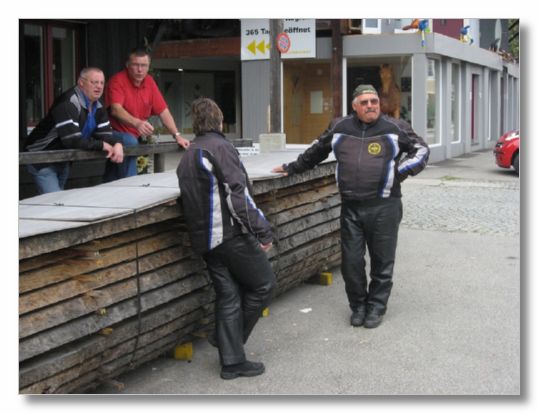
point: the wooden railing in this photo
(63, 155)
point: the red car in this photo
(507, 150)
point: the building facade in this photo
(458, 96)
(457, 90)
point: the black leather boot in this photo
(245, 369)
(357, 317)
(373, 319)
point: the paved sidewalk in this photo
(453, 323)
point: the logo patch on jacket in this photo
(374, 148)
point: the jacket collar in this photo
(211, 132)
(364, 125)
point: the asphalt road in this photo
(453, 322)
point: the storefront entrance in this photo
(308, 107)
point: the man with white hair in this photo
(76, 120)
(369, 148)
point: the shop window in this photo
(63, 58)
(34, 93)
(475, 108)
(181, 88)
(369, 71)
(495, 106)
(503, 105)
(433, 103)
(455, 104)
(49, 52)
(489, 105)
(371, 26)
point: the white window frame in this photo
(371, 30)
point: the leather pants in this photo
(243, 280)
(373, 224)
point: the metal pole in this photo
(336, 68)
(276, 26)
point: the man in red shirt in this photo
(132, 96)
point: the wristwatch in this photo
(177, 134)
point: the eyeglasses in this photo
(94, 82)
(373, 101)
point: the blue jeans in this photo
(49, 177)
(127, 168)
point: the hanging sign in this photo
(302, 35)
(255, 40)
(299, 41)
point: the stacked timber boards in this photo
(107, 293)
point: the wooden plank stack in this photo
(104, 298)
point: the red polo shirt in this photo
(141, 102)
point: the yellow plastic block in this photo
(183, 351)
(323, 278)
(265, 312)
(326, 278)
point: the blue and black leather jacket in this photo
(216, 194)
(372, 158)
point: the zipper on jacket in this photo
(361, 148)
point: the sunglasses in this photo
(373, 101)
